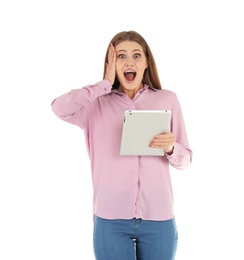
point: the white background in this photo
(49, 47)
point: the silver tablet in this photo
(139, 129)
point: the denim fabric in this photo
(134, 239)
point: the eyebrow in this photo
(132, 51)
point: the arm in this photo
(76, 105)
(182, 154)
(175, 143)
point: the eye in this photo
(121, 56)
(137, 55)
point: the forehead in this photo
(128, 46)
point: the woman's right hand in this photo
(110, 65)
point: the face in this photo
(130, 65)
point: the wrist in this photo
(169, 150)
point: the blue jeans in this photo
(134, 239)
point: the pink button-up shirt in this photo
(125, 187)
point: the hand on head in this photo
(110, 65)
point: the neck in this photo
(130, 92)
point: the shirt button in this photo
(105, 89)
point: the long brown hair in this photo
(150, 76)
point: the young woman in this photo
(133, 200)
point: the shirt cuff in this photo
(105, 86)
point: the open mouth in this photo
(130, 75)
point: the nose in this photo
(129, 62)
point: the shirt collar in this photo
(141, 90)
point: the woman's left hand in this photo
(164, 141)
